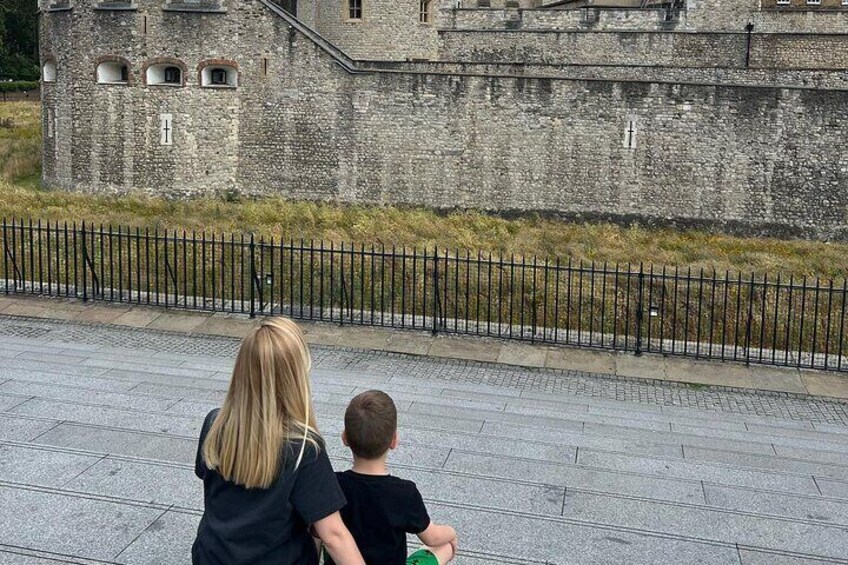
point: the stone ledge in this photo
(649, 367)
(188, 8)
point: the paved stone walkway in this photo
(98, 430)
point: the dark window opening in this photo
(218, 76)
(125, 73)
(424, 11)
(354, 9)
(173, 75)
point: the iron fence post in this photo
(640, 309)
(252, 276)
(5, 259)
(84, 265)
(435, 290)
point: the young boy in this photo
(382, 509)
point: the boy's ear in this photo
(344, 438)
(395, 440)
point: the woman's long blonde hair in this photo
(269, 403)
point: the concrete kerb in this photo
(647, 368)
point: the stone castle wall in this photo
(678, 49)
(388, 30)
(302, 125)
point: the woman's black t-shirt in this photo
(265, 526)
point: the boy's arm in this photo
(437, 534)
(337, 540)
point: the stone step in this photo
(631, 471)
(574, 438)
(774, 534)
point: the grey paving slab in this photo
(622, 410)
(348, 377)
(812, 454)
(553, 399)
(59, 378)
(123, 365)
(496, 391)
(56, 345)
(489, 493)
(167, 540)
(142, 482)
(777, 504)
(9, 556)
(829, 541)
(758, 557)
(464, 559)
(692, 470)
(105, 416)
(572, 476)
(451, 412)
(567, 544)
(31, 466)
(18, 428)
(548, 417)
(489, 444)
(215, 366)
(84, 395)
(121, 442)
(53, 358)
(438, 422)
(149, 359)
(773, 436)
(9, 401)
(815, 435)
(70, 525)
(675, 438)
(580, 439)
(830, 428)
(770, 462)
(69, 370)
(215, 394)
(834, 488)
(211, 382)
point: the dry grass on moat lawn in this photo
(20, 196)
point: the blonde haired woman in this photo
(266, 475)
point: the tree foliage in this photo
(19, 40)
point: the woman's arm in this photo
(337, 540)
(437, 534)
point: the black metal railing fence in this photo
(732, 316)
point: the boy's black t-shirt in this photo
(265, 526)
(380, 511)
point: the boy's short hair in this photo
(370, 424)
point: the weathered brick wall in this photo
(671, 49)
(804, 5)
(732, 15)
(388, 30)
(824, 79)
(698, 16)
(748, 158)
(603, 19)
(603, 48)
